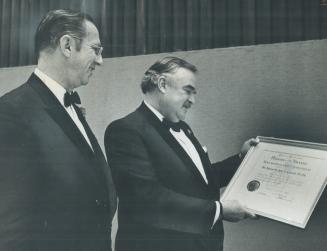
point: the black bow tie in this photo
(71, 98)
(175, 126)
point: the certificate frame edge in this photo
(295, 143)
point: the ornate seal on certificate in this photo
(253, 185)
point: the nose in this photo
(191, 98)
(99, 60)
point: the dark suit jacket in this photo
(56, 193)
(164, 202)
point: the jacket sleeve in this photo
(17, 182)
(224, 170)
(142, 197)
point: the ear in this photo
(162, 84)
(65, 45)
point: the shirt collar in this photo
(154, 110)
(53, 86)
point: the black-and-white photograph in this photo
(142, 125)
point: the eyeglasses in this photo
(98, 49)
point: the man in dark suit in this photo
(168, 190)
(56, 188)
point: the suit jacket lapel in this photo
(96, 147)
(203, 155)
(60, 116)
(104, 173)
(172, 142)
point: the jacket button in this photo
(97, 202)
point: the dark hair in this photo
(165, 65)
(57, 23)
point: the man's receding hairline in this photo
(88, 32)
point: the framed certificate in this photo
(281, 179)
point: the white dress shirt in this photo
(190, 149)
(59, 93)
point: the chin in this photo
(182, 117)
(84, 83)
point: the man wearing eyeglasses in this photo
(56, 187)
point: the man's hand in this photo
(247, 145)
(233, 211)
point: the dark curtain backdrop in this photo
(134, 27)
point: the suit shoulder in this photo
(121, 131)
(16, 97)
(19, 105)
(14, 108)
(133, 120)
